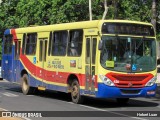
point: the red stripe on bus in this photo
(50, 75)
(13, 32)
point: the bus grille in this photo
(130, 91)
(129, 80)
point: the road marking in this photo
(3, 109)
(9, 94)
(158, 106)
(26, 118)
(113, 112)
(70, 102)
(30, 95)
(123, 108)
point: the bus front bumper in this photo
(105, 91)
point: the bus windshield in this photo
(128, 54)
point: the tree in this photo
(30, 12)
(7, 17)
(22, 13)
(71, 11)
(158, 20)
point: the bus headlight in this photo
(106, 80)
(152, 81)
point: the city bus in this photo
(100, 58)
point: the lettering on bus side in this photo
(49, 64)
(57, 64)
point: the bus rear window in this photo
(8, 44)
(128, 29)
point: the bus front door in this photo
(41, 72)
(90, 65)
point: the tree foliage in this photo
(21, 13)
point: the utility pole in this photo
(90, 10)
(115, 8)
(105, 10)
(153, 20)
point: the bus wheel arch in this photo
(74, 89)
(23, 72)
(70, 79)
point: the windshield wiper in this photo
(140, 42)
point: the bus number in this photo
(57, 64)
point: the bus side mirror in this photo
(100, 45)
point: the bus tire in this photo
(122, 101)
(75, 92)
(26, 89)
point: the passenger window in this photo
(75, 43)
(31, 41)
(59, 43)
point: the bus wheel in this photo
(26, 89)
(75, 93)
(122, 101)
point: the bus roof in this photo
(72, 25)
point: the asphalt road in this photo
(12, 99)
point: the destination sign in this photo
(127, 29)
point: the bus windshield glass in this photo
(128, 54)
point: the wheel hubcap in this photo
(25, 85)
(75, 91)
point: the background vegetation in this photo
(22, 13)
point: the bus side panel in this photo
(7, 67)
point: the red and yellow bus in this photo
(99, 58)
